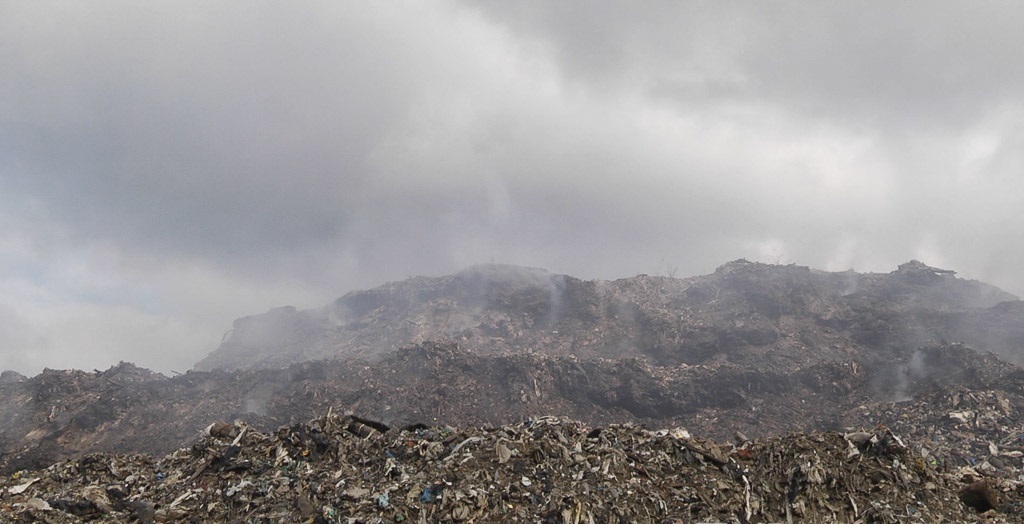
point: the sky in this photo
(167, 167)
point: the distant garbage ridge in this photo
(900, 385)
(62, 414)
(745, 312)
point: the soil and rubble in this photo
(548, 469)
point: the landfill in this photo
(345, 469)
(767, 316)
(757, 394)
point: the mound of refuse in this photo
(65, 414)
(346, 469)
(756, 315)
(849, 397)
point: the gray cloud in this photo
(170, 167)
(909, 64)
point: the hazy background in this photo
(166, 167)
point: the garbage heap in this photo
(958, 427)
(350, 470)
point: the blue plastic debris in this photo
(431, 493)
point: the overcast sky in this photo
(167, 167)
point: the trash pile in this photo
(63, 414)
(959, 429)
(344, 469)
(738, 313)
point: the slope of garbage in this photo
(62, 414)
(738, 313)
(511, 394)
(548, 469)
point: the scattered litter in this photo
(20, 488)
(544, 470)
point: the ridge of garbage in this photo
(547, 469)
(840, 394)
(739, 312)
(63, 414)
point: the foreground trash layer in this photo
(555, 470)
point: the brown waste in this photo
(552, 470)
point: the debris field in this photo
(555, 470)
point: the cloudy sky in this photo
(166, 167)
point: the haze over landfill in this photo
(167, 167)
